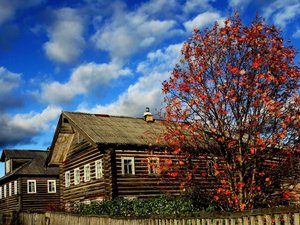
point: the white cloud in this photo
(9, 88)
(8, 80)
(83, 78)
(146, 92)
(127, 33)
(197, 5)
(9, 8)
(297, 33)
(239, 4)
(282, 12)
(203, 20)
(158, 7)
(35, 122)
(66, 36)
(21, 128)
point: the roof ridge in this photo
(102, 115)
(31, 150)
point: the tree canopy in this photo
(234, 96)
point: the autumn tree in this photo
(234, 96)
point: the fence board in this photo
(286, 219)
(296, 219)
(268, 219)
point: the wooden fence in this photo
(274, 217)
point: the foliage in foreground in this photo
(164, 205)
(235, 96)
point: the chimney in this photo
(148, 117)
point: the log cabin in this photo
(104, 157)
(28, 185)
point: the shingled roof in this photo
(104, 130)
(35, 165)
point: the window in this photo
(211, 170)
(98, 169)
(127, 165)
(153, 166)
(51, 186)
(87, 172)
(4, 191)
(10, 189)
(7, 166)
(67, 179)
(0, 192)
(31, 186)
(15, 187)
(76, 176)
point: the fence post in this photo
(226, 221)
(260, 220)
(268, 220)
(47, 219)
(277, 219)
(296, 219)
(287, 219)
(232, 221)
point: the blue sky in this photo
(101, 56)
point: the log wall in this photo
(41, 200)
(142, 184)
(9, 203)
(80, 154)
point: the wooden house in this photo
(103, 157)
(28, 185)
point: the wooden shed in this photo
(28, 185)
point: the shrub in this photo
(164, 205)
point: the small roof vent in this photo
(148, 117)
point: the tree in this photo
(235, 95)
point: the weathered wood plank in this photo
(296, 218)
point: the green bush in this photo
(164, 205)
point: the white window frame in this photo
(87, 172)
(125, 166)
(49, 182)
(4, 191)
(7, 166)
(67, 179)
(99, 169)
(76, 176)
(210, 168)
(10, 189)
(15, 187)
(153, 169)
(1, 192)
(29, 186)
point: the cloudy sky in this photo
(101, 56)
